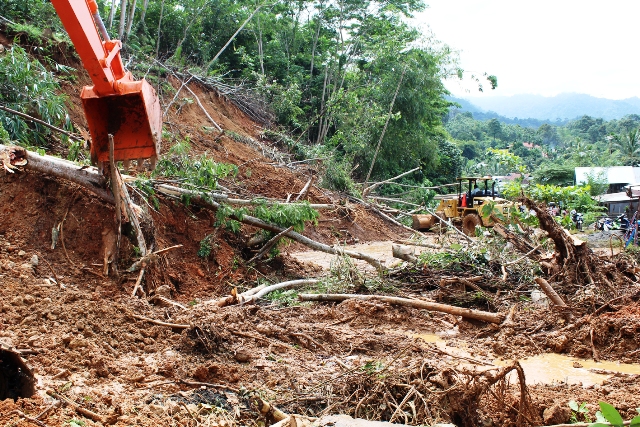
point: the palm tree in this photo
(629, 145)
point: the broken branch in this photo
(43, 123)
(158, 322)
(79, 409)
(253, 295)
(419, 304)
(304, 190)
(269, 245)
(550, 292)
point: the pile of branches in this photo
(247, 100)
(419, 393)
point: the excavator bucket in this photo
(132, 116)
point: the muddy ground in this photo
(82, 333)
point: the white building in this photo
(619, 178)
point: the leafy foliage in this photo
(610, 415)
(287, 214)
(200, 172)
(206, 246)
(27, 86)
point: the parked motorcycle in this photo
(605, 224)
(578, 219)
(621, 222)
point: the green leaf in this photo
(456, 246)
(599, 425)
(600, 418)
(573, 405)
(611, 414)
(635, 422)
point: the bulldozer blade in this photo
(132, 116)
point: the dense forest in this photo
(550, 152)
(349, 82)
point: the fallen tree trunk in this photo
(385, 216)
(574, 261)
(256, 222)
(424, 305)
(258, 292)
(424, 245)
(85, 176)
(90, 178)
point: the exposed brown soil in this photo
(364, 359)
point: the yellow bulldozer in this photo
(464, 209)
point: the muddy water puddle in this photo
(554, 368)
(544, 368)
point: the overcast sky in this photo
(543, 47)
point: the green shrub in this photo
(26, 86)
(4, 135)
(201, 171)
(337, 176)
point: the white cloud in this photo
(543, 47)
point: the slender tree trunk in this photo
(321, 122)
(259, 43)
(144, 13)
(315, 42)
(132, 13)
(386, 123)
(123, 18)
(112, 12)
(159, 26)
(215, 58)
(296, 25)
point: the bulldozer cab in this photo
(470, 189)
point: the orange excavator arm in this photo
(116, 104)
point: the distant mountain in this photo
(564, 106)
(479, 114)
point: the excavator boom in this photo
(116, 104)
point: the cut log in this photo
(470, 222)
(406, 253)
(423, 221)
(423, 305)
